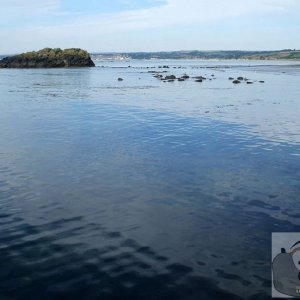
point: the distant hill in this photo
(49, 58)
(195, 54)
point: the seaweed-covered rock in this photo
(49, 58)
(185, 76)
(236, 81)
(200, 77)
(170, 77)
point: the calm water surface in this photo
(142, 189)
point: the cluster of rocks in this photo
(167, 67)
(243, 79)
(163, 76)
(172, 78)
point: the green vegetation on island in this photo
(49, 58)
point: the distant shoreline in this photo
(199, 59)
(287, 54)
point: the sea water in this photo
(144, 189)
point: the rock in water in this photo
(170, 77)
(49, 58)
(185, 76)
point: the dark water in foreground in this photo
(142, 189)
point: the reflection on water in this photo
(142, 189)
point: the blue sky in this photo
(107, 6)
(149, 25)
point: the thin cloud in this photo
(14, 13)
(89, 29)
(174, 12)
(28, 4)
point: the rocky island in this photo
(49, 58)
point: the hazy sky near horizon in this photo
(149, 25)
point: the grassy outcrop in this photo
(49, 58)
